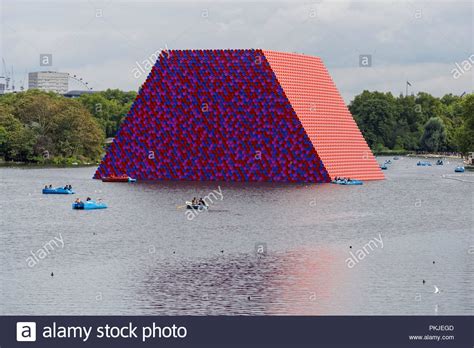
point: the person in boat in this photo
(79, 203)
(194, 201)
(45, 187)
(88, 199)
(50, 186)
(201, 202)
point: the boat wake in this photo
(457, 179)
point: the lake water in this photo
(262, 249)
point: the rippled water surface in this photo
(143, 256)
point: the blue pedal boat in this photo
(347, 182)
(57, 191)
(88, 205)
(423, 164)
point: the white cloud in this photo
(413, 40)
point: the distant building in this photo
(50, 81)
(77, 94)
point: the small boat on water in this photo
(121, 178)
(347, 182)
(439, 162)
(459, 169)
(396, 158)
(388, 162)
(190, 205)
(423, 164)
(57, 191)
(88, 205)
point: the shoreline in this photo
(435, 155)
(83, 165)
(42, 165)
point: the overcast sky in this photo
(101, 41)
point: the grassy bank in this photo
(393, 153)
(47, 164)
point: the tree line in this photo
(419, 122)
(41, 127)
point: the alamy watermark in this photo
(365, 60)
(463, 67)
(261, 249)
(145, 65)
(46, 59)
(44, 251)
(361, 253)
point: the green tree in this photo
(434, 135)
(109, 108)
(375, 114)
(465, 133)
(400, 123)
(38, 123)
(18, 140)
(408, 129)
(120, 96)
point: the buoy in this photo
(424, 281)
(52, 274)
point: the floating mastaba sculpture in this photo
(239, 115)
